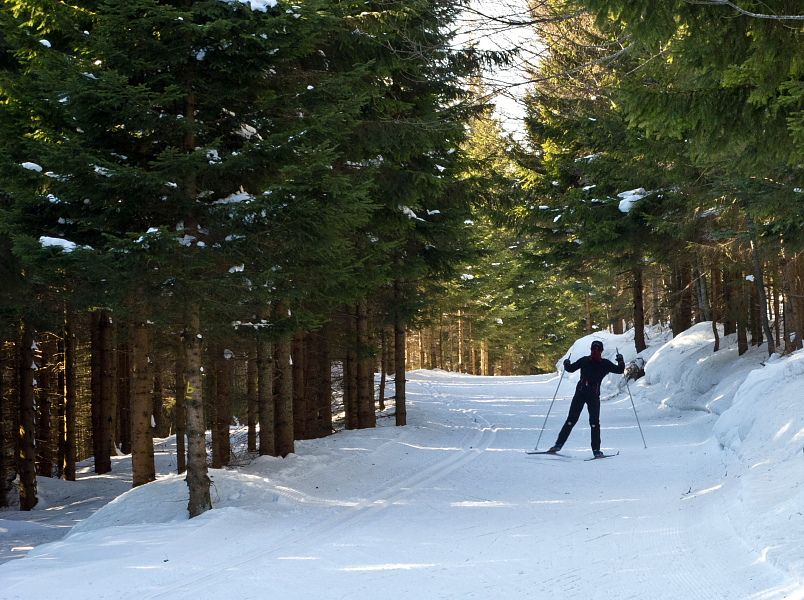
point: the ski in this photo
(599, 457)
(548, 453)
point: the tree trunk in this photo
(7, 472)
(103, 391)
(142, 443)
(681, 312)
(198, 482)
(70, 397)
(366, 415)
(283, 389)
(299, 398)
(221, 449)
(60, 424)
(109, 400)
(715, 306)
(793, 317)
(251, 397)
(180, 412)
(383, 367)
(311, 367)
(350, 402)
(123, 393)
(704, 310)
(44, 434)
(324, 384)
(158, 406)
(399, 369)
(96, 366)
(266, 407)
(639, 311)
(759, 282)
(26, 445)
(741, 311)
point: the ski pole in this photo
(551, 405)
(635, 413)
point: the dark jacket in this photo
(592, 373)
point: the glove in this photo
(620, 358)
(567, 363)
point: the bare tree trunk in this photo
(681, 312)
(221, 449)
(68, 470)
(366, 416)
(7, 471)
(311, 367)
(299, 399)
(742, 313)
(383, 366)
(350, 397)
(44, 434)
(26, 445)
(158, 406)
(639, 311)
(324, 384)
(251, 397)
(777, 313)
(142, 443)
(109, 399)
(401, 410)
(701, 295)
(96, 366)
(399, 371)
(265, 397)
(759, 282)
(60, 424)
(793, 317)
(123, 392)
(180, 412)
(715, 306)
(198, 482)
(103, 390)
(283, 389)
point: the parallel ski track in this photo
(474, 443)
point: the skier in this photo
(593, 369)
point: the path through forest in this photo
(448, 507)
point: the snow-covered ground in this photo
(451, 506)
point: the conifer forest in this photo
(220, 212)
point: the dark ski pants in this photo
(593, 407)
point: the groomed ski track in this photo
(452, 507)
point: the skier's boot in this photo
(554, 450)
(598, 454)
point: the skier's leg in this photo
(593, 406)
(574, 412)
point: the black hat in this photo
(597, 344)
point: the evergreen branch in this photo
(514, 19)
(744, 12)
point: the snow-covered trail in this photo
(448, 507)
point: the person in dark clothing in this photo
(593, 369)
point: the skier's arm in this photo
(571, 367)
(619, 367)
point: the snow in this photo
(31, 166)
(52, 242)
(409, 213)
(450, 507)
(630, 198)
(257, 5)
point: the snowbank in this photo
(688, 374)
(763, 437)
